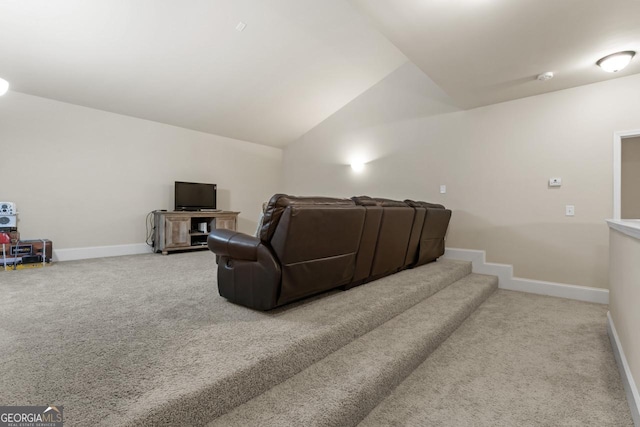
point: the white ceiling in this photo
(299, 61)
(183, 62)
(482, 52)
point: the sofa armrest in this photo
(248, 272)
(233, 244)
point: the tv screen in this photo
(193, 196)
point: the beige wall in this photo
(630, 188)
(496, 162)
(83, 177)
(625, 294)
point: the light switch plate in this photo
(570, 210)
(443, 189)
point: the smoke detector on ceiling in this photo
(545, 76)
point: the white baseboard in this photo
(507, 281)
(633, 397)
(100, 252)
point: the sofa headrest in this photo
(364, 201)
(419, 204)
(283, 200)
(279, 202)
(388, 203)
(385, 203)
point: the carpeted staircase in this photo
(145, 341)
(361, 344)
(342, 388)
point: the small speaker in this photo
(7, 220)
(7, 208)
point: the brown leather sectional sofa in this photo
(308, 245)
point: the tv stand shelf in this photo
(179, 230)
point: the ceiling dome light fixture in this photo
(4, 86)
(616, 61)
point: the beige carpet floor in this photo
(519, 360)
(147, 339)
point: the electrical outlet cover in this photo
(555, 182)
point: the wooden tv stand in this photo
(178, 230)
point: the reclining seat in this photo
(434, 229)
(306, 245)
(368, 240)
(394, 234)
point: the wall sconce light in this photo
(4, 86)
(357, 166)
(616, 61)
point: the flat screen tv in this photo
(194, 196)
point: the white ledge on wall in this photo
(630, 227)
(507, 281)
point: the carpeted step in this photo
(249, 352)
(519, 360)
(342, 388)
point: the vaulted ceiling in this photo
(299, 61)
(482, 52)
